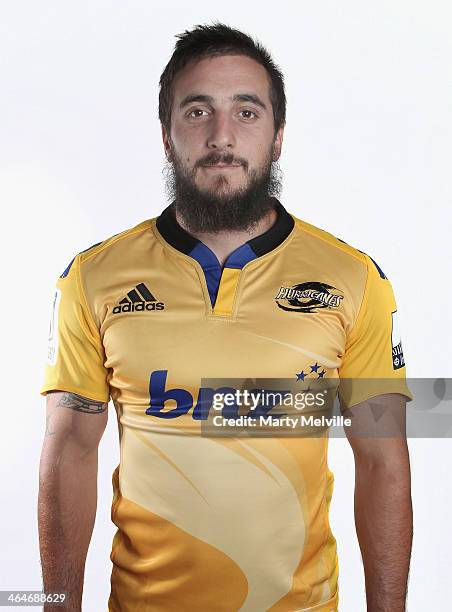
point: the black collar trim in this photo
(181, 240)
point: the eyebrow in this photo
(244, 97)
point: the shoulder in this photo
(108, 245)
(332, 246)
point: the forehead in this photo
(222, 77)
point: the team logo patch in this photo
(308, 297)
(138, 299)
(398, 360)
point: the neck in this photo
(225, 242)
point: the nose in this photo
(221, 134)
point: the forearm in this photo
(384, 525)
(66, 513)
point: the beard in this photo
(221, 208)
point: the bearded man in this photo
(223, 284)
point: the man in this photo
(223, 284)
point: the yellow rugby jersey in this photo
(219, 523)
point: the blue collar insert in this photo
(183, 241)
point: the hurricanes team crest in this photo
(308, 297)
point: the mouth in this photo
(222, 166)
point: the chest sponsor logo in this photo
(137, 300)
(201, 406)
(311, 296)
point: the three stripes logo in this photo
(138, 299)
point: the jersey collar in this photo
(181, 240)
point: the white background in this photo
(366, 156)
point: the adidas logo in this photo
(138, 299)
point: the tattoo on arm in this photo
(81, 404)
(48, 432)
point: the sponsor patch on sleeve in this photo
(52, 350)
(398, 360)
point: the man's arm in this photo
(67, 498)
(383, 509)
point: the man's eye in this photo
(248, 112)
(196, 110)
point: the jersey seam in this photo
(229, 318)
(111, 241)
(321, 604)
(85, 305)
(341, 248)
(325, 487)
(202, 280)
(360, 315)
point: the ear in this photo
(277, 145)
(166, 143)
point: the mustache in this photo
(212, 159)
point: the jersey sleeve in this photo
(75, 356)
(373, 361)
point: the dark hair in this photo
(215, 40)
